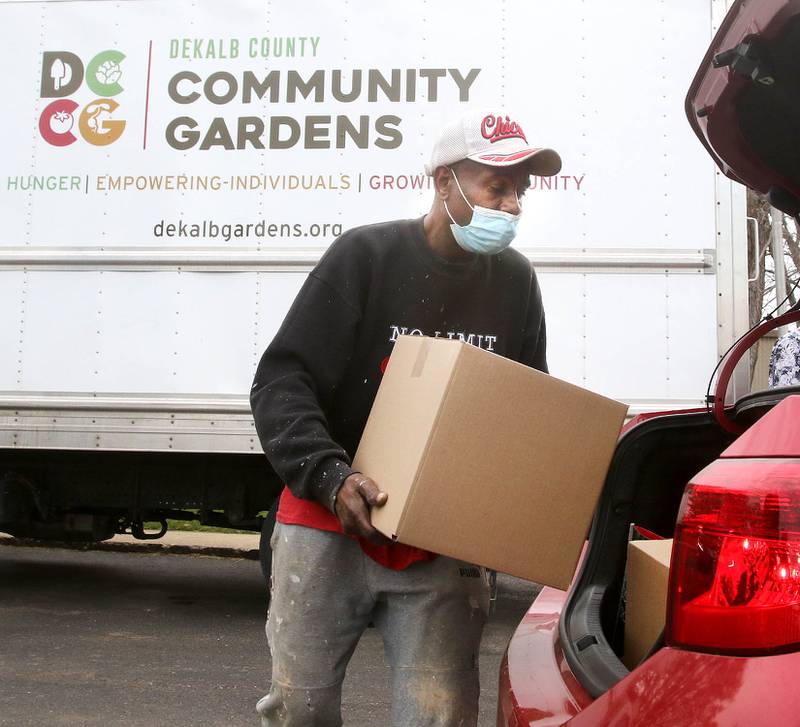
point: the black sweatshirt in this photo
(314, 386)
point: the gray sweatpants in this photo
(324, 593)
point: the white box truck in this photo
(171, 171)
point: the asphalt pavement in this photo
(169, 632)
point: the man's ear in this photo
(443, 182)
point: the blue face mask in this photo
(488, 232)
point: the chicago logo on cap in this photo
(495, 128)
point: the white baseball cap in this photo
(494, 139)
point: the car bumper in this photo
(673, 687)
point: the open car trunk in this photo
(744, 106)
(651, 466)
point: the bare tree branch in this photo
(789, 289)
(757, 207)
(791, 244)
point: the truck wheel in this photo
(264, 549)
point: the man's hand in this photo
(356, 497)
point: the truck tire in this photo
(264, 549)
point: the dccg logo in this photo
(62, 75)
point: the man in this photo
(448, 274)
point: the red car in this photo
(730, 652)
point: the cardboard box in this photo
(487, 460)
(647, 578)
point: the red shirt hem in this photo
(296, 511)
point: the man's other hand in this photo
(357, 495)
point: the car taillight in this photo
(735, 572)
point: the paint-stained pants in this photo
(325, 591)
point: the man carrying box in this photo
(448, 274)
